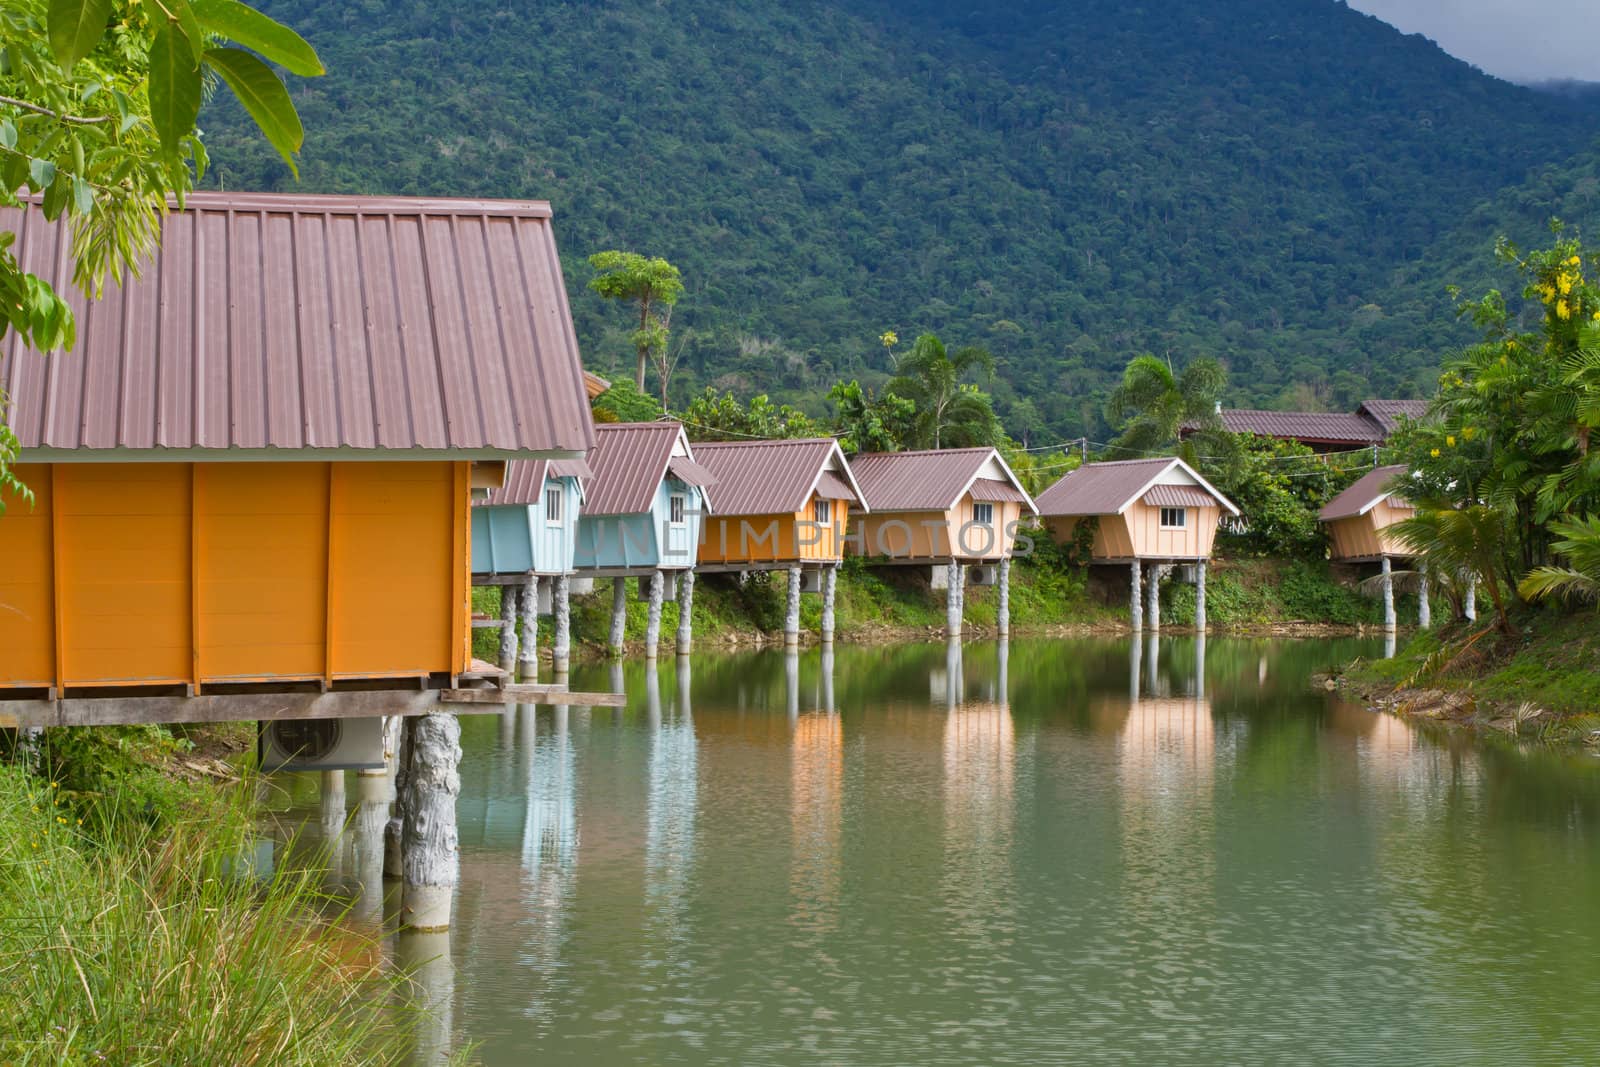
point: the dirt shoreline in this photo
(586, 651)
(1460, 710)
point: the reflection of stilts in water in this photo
(1200, 665)
(426, 957)
(979, 816)
(1152, 665)
(670, 829)
(1166, 757)
(791, 683)
(1003, 661)
(827, 678)
(1388, 644)
(373, 794)
(549, 838)
(816, 813)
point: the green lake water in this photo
(1061, 851)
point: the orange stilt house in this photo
(1152, 514)
(956, 509)
(255, 468)
(780, 505)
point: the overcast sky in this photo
(1520, 40)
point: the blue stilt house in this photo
(644, 503)
(529, 525)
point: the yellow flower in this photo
(1450, 440)
(1565, 284)
(1562, 311)
(1468, 432)
(1574, 261)
(1434, 453)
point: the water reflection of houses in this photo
(979, 821)
(672, 803)
(816, 818)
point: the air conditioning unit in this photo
(1187, 573)
(321, 744)
(811, 581)
(547, 591)
(983, 574)
(580, 586)
(669, 587)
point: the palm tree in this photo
(1474, 540)
(1152, 405)
(948, 411)
(1579, 582)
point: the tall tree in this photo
(1153, 404)
(98, 103)
(949, 410)
(653, 286)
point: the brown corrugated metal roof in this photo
(689, 472)
(1387, 413)
(930, 480)
(629, 460)
(1108, 488)
(993, 489)
(1179, 496)
(1331, 427)
(525, 480)
(768, 477)
(1364, 493)
(291, 322)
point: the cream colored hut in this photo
(1149, 513)
(1361, 523)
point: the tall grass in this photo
(123, 942)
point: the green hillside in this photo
(1065, 182)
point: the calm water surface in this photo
(1056, 852)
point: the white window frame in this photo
(1182, 515)
(677, 505)
(553, 503)
(822, 511)
(983, 513)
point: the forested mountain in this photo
(1067, 182)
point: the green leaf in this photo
(175, 87)
(41, 172)
(76, 26)
(82, 196)
(8, 134)
(170, 13)
(244, 25)
(264, 96)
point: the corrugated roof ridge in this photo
(774, 441)
(357, 204)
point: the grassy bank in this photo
(882, 603)
(1541, 680)
(133, 931)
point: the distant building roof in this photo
(594, 385)
(1111, 488)
(773, 477)
(629, 461)
(1387, 413)
(1371, 423)
(1364, 494)
(290, 324)
(525, 480)
(932, 480)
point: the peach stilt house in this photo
(957, 510)
(254, 472)
(1360, 523)
(1152, 514)
(780, 505)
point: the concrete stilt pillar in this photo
(652, 630)
(430, 854)
(333, 810)
(952, 600)
(1424, 608)
(1136, 600)
(619, 615)
(1200, 596)
(1469, 599)
(561, 649)
(373, 796)
(1153, 599)
(509, 596)
(953, 692)
(791, 613)
(1200, 666)
(1152, 664)
(686, 612)
(1003, 682)
(425, 957)
(652, 694)
(830, 576)
(528, 650)
(394, 831)
(827, 678)
(1388, 596)
(1002, 611)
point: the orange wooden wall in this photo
(145, 573)
(925, 535)
(1138, 532)
(1371, 535)
(773, 538)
